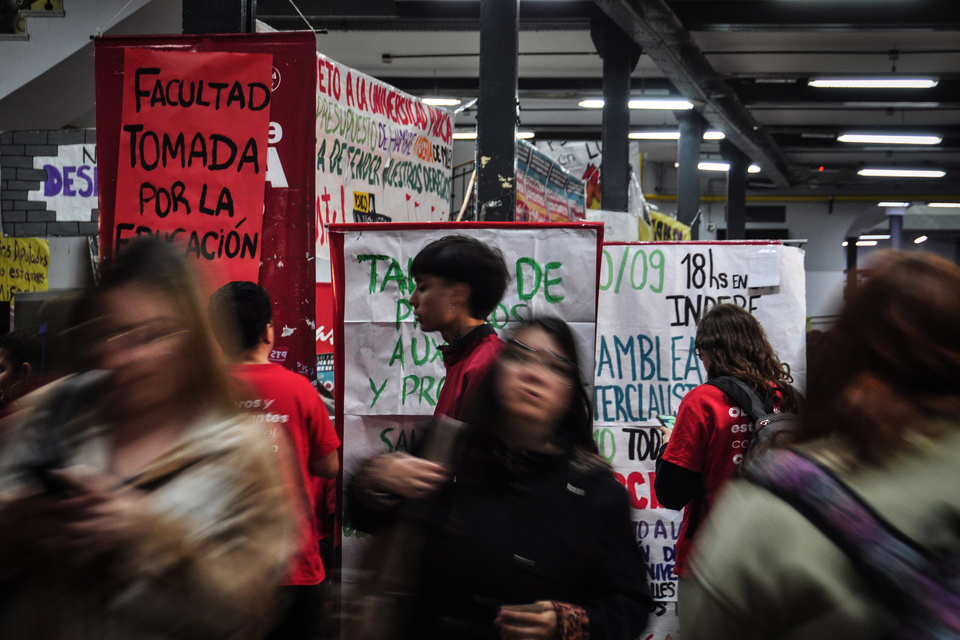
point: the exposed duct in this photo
(658, 31)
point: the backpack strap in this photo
(913, 582)
(743, 395)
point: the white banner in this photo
(382, 155)
(71, 187)
(393, 371)
(650, 297)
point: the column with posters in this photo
(381, 155)
(388, 385)
(651, 295)
(211, 145)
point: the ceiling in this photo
(743, 63)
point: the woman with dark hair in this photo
(705, 448)
(882, 416)
(135, 502)
(460, 281)
(533, 539)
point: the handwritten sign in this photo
(394, 371)
(650, 298)
(193, 154)
(24, 266)
(382, 155)
(546, 191)
(72, 183)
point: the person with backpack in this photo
(854, 531)
(707, 445)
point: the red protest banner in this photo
(288, 238)
(193, 154)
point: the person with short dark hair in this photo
(460, 281)
(241, 314)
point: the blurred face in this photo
(8, 378)
(535, 377)
(433, 303)
(144, 345)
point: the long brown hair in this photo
(737, 346)
(891, 365)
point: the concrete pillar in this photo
(497, 110)
(736, 192)
(688, 175)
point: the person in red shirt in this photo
(241, 316)
(705, 448)
(460, 281)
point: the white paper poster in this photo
(650, 297)
(392, 371)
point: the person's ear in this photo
(460, 295)
(268, 334)
(24, 371)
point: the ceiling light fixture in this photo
(893, 204)
(866, 243)
(671, 135)
(464, 135)
(441, 102)
(721, 166)
(901, 173)
(944, 205)
(872, 138)
(645, 103)
(876, 236)
(920, 239)
(524, 135)
(873, 83)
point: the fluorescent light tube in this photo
(901, 173)
(873, 83)
(870, 138)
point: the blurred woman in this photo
(703, 452)
(533, 539)
(883, 415)
(141, 506)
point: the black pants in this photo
(301, 620)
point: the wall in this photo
(20, 175)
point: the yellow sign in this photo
(24, 266)
(663, 227)
(361, 202)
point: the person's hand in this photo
(526, 623)
(407, 476)
(665, 433)
(94, 517)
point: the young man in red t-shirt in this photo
(241, 315)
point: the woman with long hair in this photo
(882, 417)
(533, 538)
(134, 501)
(706, 446)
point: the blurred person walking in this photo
(882, 419)
(460, 281)
(526, 534)
(141, 506)
(242, 317)
(705, 449)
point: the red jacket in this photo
(467, 361)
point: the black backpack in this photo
(769, 429)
